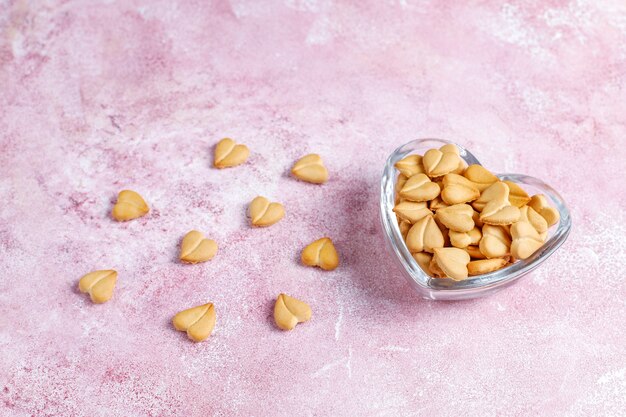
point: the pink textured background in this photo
(96, 96)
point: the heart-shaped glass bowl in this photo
(480, 285)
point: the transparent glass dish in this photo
(480, 285)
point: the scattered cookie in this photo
(196, 248)
(321, 253)
(310, 168)
(99, 284)
(265, 213)
(130, 205)
(228, 153)
(289, 311)
(198, 321)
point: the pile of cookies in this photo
(199, 321)
(459, 220)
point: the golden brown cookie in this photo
(424, 236)
(453, 262)
(321, 253)
(130, 205)
(498, 210)
(480, 176)
(528, 214)
(411, 211)
(442, 161)
(228, 153)
(458, 189)
(265, 213)
(419, 188)
(496, 242)
(484, 266)
(526, 240)
(423, 260)
(289, 311)
(99, 284)
(464, 239)
(196, 248)
(540, 204)
(517, 196)
(410, 165)
(198, 321)
(310, 168)
(457, 217)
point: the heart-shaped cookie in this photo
(442, 161)
(411, 211)
(528, 214)
(526, 240)
(480, 176)
(474, 252)
(265, 213)
(484, 266)
(437, 204)
(229, 153)
(496, 242)
(198, 321)
(424, 235)
(404, 227)
(419, 188)
(540, 204)
(410, 165)
(434, 269)
(130, 205)
(310, 168)
(458, 189)
(289, 311)
(517, 196)
(499, 211)
(321, 253)
(453, 262)
(457, 217)
(492, 192)
(196, 248)
(423, 260)
(99, 284)
(464, 239)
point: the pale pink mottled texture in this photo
(96, 96)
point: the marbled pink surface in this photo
(97, 96)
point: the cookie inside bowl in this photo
(403, 182)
